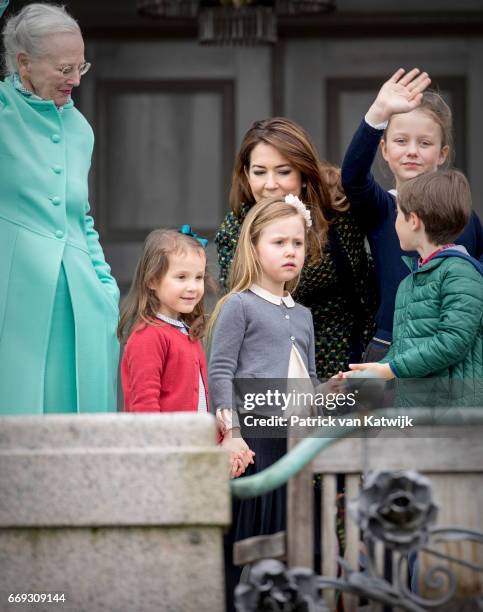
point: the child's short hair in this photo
(442, 200)
(435, 107)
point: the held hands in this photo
(239, 463)
(240, 455)
(335, 384)
(381, 370)
(402, 93)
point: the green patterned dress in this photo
(340, 290)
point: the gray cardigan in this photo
(253, 338)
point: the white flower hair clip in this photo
(300, 207)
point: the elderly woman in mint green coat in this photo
(58, 300)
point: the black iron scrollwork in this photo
(395, 508)
(273, 588)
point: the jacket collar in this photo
(412, 264)
(457, 251)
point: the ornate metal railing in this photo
(393, 508)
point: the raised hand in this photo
(402, 93)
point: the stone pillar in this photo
(117, 512)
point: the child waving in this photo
(413, 128)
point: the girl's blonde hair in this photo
(141, 303)
(246, 268)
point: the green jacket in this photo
(438, 320)
(45, 155)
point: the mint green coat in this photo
(45, 155)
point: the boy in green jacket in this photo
(439, 307)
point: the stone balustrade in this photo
(118, 512)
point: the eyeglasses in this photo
(68, 70)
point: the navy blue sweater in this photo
(377, 211)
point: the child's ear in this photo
(443, 155)
(382, 144)
(415, 221)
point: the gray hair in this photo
(27, 30)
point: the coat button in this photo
(55, 200)
(57, 169)
(55, 138)
(287, 316)
(59, 234)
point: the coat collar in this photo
(412, 264)
(456, 251)
(33, 99)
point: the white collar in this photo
(174, 322)
(272, 298)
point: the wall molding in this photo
(106, 90)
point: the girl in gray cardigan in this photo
(257, 331)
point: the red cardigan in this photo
(160, 370)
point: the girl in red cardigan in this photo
(163, 367)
